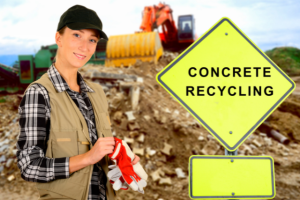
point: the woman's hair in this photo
(61, 32)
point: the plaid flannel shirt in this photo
(34, 123)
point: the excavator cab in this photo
(186, 28)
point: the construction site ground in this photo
(164, 135)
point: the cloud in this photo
(27, 25)
(11, 3)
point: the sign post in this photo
(230, 86)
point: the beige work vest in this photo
(69, 136)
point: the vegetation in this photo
(2, 99)
(287, 58)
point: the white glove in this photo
(134, 175)
(116, 179)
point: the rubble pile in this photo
(164, 135)
(12, 186)
(9, 131)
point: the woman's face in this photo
(76, 47)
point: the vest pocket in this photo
(64, 143)
(46, 194)
(83, 146)
(104, 120)
(105, 124)
(71, 188)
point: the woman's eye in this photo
(78, 35)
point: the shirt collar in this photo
(61, 85)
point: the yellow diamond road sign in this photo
(227, 83)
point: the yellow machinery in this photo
(148, 45)
(124, 50)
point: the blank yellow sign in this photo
(227, 83)
(234, 177)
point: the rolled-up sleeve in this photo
(34, 113)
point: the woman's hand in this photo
(135, 160)
(102, 147)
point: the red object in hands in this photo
(124, 162)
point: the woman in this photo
(67, 158)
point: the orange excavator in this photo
(172, 38)
(147, 44)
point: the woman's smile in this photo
(80, 57)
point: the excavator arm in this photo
(160, 15)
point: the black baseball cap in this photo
(79, 17)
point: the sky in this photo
(26, 25)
